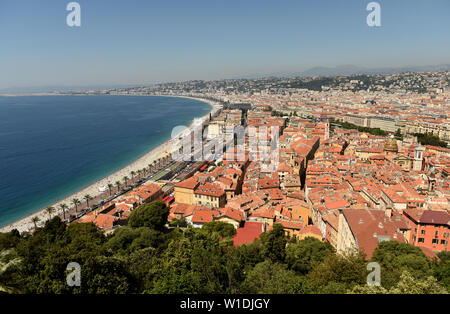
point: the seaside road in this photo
(108, 196)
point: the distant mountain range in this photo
(354, 70)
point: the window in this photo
(436, 234)
(421, 240)
(443, 242)
(434, 241)
(422, 232)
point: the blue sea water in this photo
(53, 146)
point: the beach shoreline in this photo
(93, 189)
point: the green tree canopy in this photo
(304, 255)
(441, 269)
(407, 284)
(395, 257)
(274, 243)
(222, 228)
(152, 215)
(270, 278)
(338, 273)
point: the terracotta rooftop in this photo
(248, 233)
(370, 227)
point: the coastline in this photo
(25, 223)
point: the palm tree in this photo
(132, 174)
(110, 186)
(139, 172)
(35, 220)
(50, 210)
(76, 202)
(125, 179)
(118, 185)
(63, 208)
(87, 197)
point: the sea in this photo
(54, 146)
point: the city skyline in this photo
(140, 44)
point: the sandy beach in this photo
(25, 224)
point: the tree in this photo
(207, 260)
(240, 261)
(338, 273)
(87, 197)
(172, 273)
(63, 208)
(125, 180)
(441, 269)
(408, 284)
(76, 202)
(222, 228)
(181, 281)
(105, 275)
(83, 240)
(9, 240)
(110, 186)
(430, 139)
(398, 134)
(142, 265)
(182, 223)
(152, 215)
(126, 240)
(270, 278)
(149, 238)
(395, 257)
(53, 230)
(50, 210)
(35, 220)
(118, 184)
(122, 239)
(274, 243)
(304, 255)
(133, 173)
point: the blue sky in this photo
(142, 42)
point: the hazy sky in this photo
(142, 42)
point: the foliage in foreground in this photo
(146, 257)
